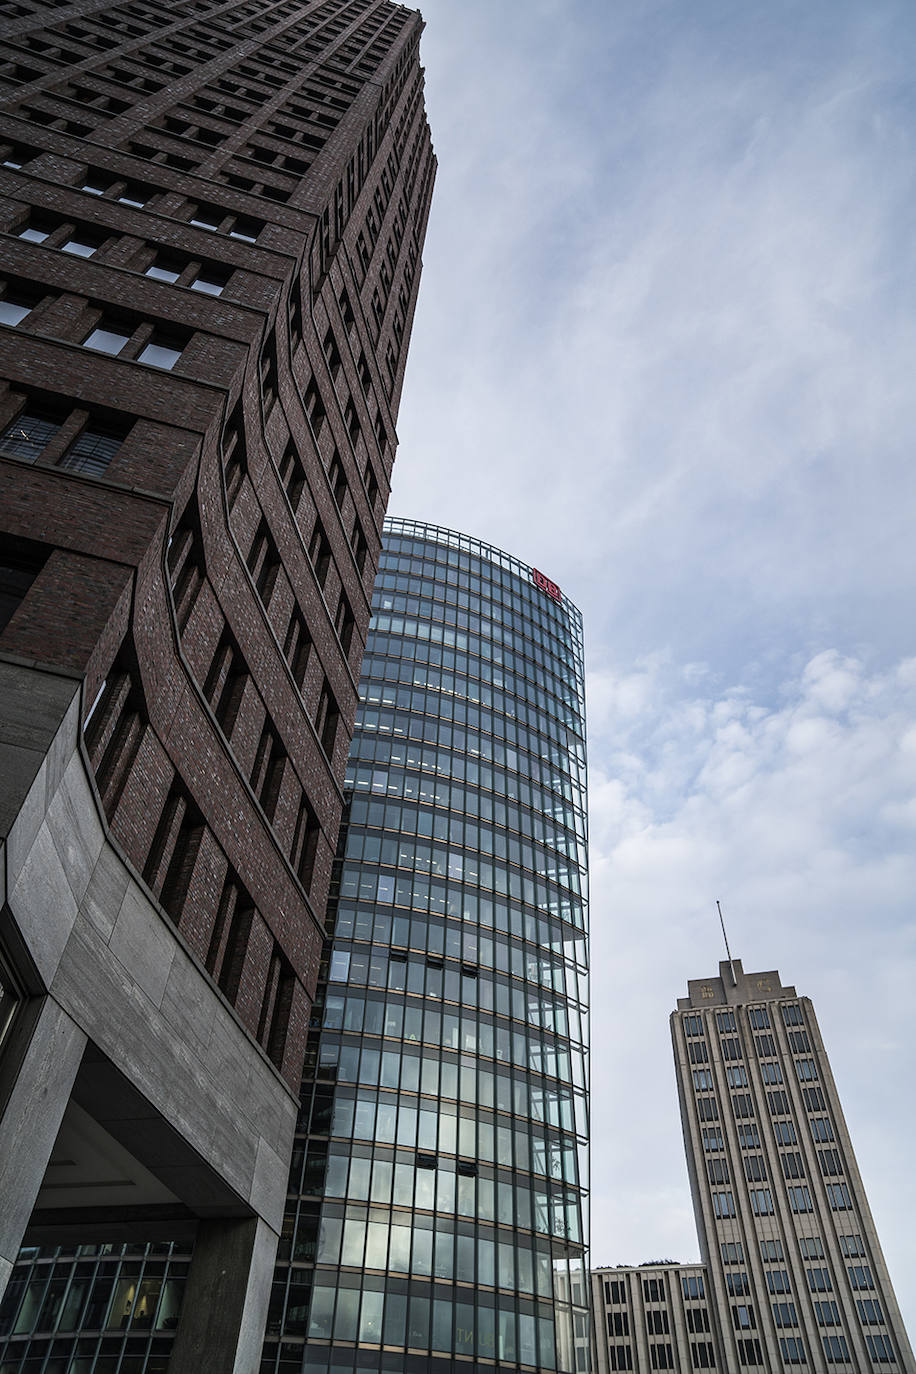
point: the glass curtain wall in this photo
(438, 1201)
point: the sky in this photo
(665, 351)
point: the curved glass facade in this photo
(438, 1201)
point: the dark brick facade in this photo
(198, 491)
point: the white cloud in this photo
(664, 351)
(799, 817)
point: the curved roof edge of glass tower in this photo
(438, 1209)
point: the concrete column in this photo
(31, 1119)
(225, 1301)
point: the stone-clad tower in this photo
(212, 216)
(794, 1265)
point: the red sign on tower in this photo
(546, 585)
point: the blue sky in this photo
(665, 351)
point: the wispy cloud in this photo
(801, 816)
(665, 350)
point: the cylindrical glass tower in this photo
(438, 1209)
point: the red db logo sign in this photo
(546, 585)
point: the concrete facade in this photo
(656, 1316)
(122, 1020)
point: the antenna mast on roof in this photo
(731, 962)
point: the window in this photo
(93, 450)
(813, 1099)
(697, 1320)
(212, 281)
(750, 1353)
(792, 1349)
(852, 1246)
(827, 1313)
(713, 1139)
(771, 1250)
(759, 1018)
(731, 1049)
(771, 1073)
(799, 1042)
(880, 1349)
(836, 1351)
(732, 1252)
(838, 1197)
(869, 1310)
(761, 1202)
(702, 1080)
(162, 350)
(657, 1323)
(800, 1200)
(703, 1354)
(830, 1162)
(784, 1314)
(860, 1276)
(16, 303)
(736, 1076)
(792, 1015)
(653, 1290)
(723, 1204)
(819, 1280)
(806, 1069)
(698, 1052)
(27, 436)
(793, 1166)
(749, 1137)
(811, 1247)
(106, 338)
(693, 1025)
(784, 1133)
(778, 1281)
(778, 1102)
(81, 246)
(12, 994)
(21, 560)
(765, 1046)
(618, 1323)
(743, 1104)
(743, 1318)
(821, 1128)
(163, 269)
(717, 1170)
(737, 1284)
(755, 1169)
(661, 1356)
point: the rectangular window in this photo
(827, 1313)
(792, 1349)
(28, 435)
(784, 1314)
(163, 350)
(92, 451)
(836, 1351)
(21, 560)
(880, 1349)
(839, 1198)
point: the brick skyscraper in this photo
(213, 216)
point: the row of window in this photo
(138, 340)
(438, 936)
(519, 1093)
(497, 994)
(475, 567)
(390, 752)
